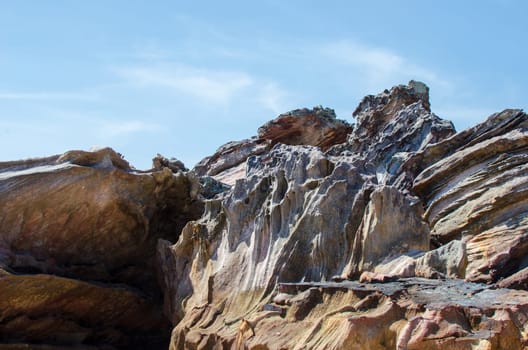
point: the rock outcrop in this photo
(395, 233)
(474, 187)
(314, 127)
(383, 201)
(90, 219)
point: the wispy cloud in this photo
(44, 96)
(379, 66)
(211, 86)
(274, 98)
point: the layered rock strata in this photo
(408, 314)
(384, 201)
(395, 233)
(77, 249)
(315, 127)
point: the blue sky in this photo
(182, 78)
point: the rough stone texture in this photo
(228, 162)
(159, 162)
(474, 187)
(518, 280)
(315, 127)
(291, 219)
(406, 314)
(300, 214)
(448, 261)
(391, 225)
(86, 216)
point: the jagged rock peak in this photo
(397, 97)
(311, 127)
(314, 127)
(374, 113)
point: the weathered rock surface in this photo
(291, 220)
(407, 314)
(474, 187)
(370, 204)
(86, 216)
(315, 127)
(518, 280)
(298, 213)
(228, 162)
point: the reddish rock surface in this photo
(315, 127)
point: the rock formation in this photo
(77, 250)
(395, 233)
(383, 201)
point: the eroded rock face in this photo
(369, 206)
(314, 127)
(86, 216)
(291, 220)
(407, 314)
(300, 214)
(474, 187)
(228, 162)
(390, 226)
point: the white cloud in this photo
(44, 96)
(274, 98)
(211, 86)
(380, 67)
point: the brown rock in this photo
(94, 222)
(376, 277)
(475, 189)
(86, 216)
(159, 162)
(314, 127)
(101, 158)
(518, 280)
(46, 309)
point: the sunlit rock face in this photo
(311, 127)
(78, 236)
(474, 188)
(393, 233)
(369, 204)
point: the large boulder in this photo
(86, 216)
